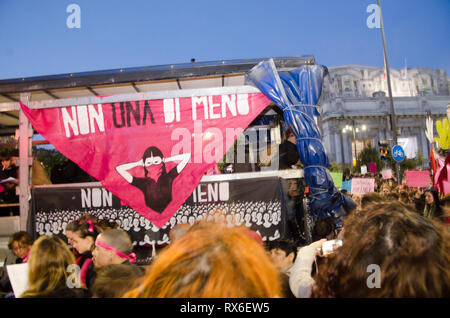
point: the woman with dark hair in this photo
(84, 232)
(19, 245)
(324, 228)
(114, 280)
(390, 247)
(432, 204)
(371, 198)
(288, 151)
(71, 227)
(157, 183)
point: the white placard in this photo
(363, 169)
(18, 276)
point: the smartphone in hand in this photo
(329, 247)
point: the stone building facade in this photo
(355, 110)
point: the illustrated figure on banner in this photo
(157, 183)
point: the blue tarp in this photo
(297, 93)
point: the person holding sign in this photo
(157, 183)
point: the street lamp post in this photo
(393, 118)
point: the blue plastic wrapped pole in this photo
(297, 93)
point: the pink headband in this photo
(91, 226)
(25, 259)
(131, 257)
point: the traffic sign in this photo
(398, 153)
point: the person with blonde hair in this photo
(211, 261)
(385, 190)
(49, 274)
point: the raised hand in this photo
(443, 129)
(429, 130)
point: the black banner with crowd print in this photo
(256, 203)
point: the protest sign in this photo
(417, 178)
(446, 187)
(386, 173)
(362, 185)
(18, 276)
(55, 206)
(347, 185)
(363, 169)
(373, 167)
(337, 179)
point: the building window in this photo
(347, 85)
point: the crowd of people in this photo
(425, 201)
(408, 242)
(395, 242)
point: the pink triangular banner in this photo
(177, 140)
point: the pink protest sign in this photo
(373, 167)
(446, 187)
(386, 173)
(363, 185)
(417, 178)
